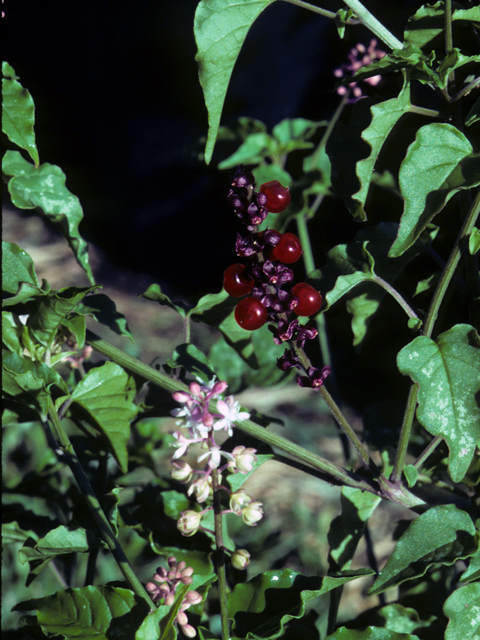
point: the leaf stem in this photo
(323, 12)
(394, 293)
(375, 26)
(423, 111)
(466, 90)
(94, 505)
(429, 449)
(439, 294)
(220, 553)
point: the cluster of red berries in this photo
(264, 274)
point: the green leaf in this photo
(174, 503)
(220, 28)
(213, 308)
(161, 622)
(231, 367)
(448, 374)
(103, 613)
(58, 541)
(292, 591)
(235, 480)
(103, 309)
(240, 339)
(438, 164)
(442, 534)
(255, 148)
(154, 293)
(44, 187)
(18, 113)
(472, 572)
(192, 360)
(51, 311)
(429, 22)
(474, 242)
(347, 529)
(267, 172)
(401, 619)
(385, 116)
(29, 381)
(474, 114)
(363, 262)
(370, 633)
(18, 275)
(463, 610)
(107, 394)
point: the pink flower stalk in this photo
(168, 582)
(359, 56)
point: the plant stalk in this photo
(94, 505)
(438, 296)
(220, 553)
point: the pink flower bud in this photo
(189, 631)
(239, 500)
(189, 522)
(191, 598)
(181, 396)
(240, 559)
(252, 513)
(195, 389)
(219, 387)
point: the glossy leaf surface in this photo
(18, 113)
(277, 597)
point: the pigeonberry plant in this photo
(357, 279)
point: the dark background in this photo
(119, 108)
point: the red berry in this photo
(235, 282)
(288, 250)
(309, 299)
(250, 314)
(278, 197)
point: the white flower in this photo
(252, 513)
(230, 410)
(244, 459)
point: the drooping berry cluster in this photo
(264, 277)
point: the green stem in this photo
(94, 505)
(338, 474)
(306, 5)
(309, 264)
(373, 24)
(220, 553)
(338, 415)
(449, 37)
(429, 449)
(451, 265)
(313, 159)
(396, 475)
(423, 111)
(432, 315)
(394, 293)
(466, 90)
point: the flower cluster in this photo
(359, 56)
(165, 586)
(265, 277)
(202, 424)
